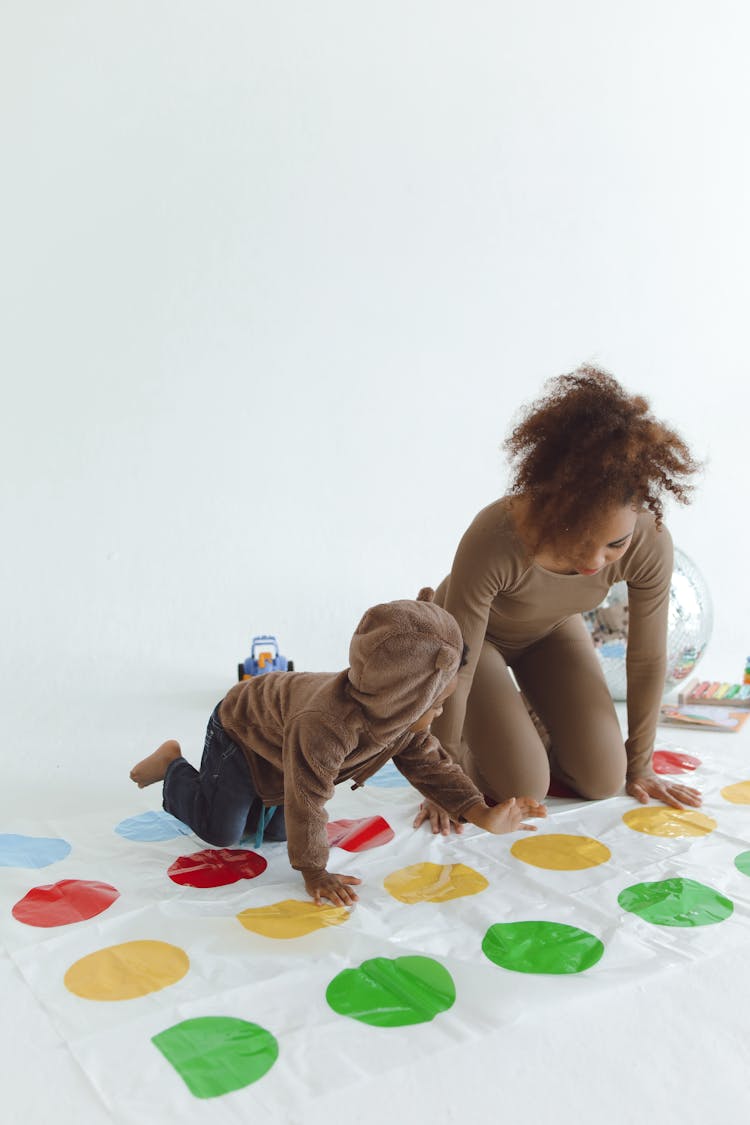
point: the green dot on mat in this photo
(217, 1054)
(742, 862)
(541, 947)
(676, 902)
(392, 993)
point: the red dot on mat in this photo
(358, 835)
(59, 904)
(558, 788)
(674, 761)
(216, 867)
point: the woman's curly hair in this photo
(587, 446)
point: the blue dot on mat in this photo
(615, 650)
(388, 778)
(152, 826)
(31, 851)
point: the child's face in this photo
(437, 709)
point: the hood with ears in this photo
(402, 657)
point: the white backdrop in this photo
(276, 279)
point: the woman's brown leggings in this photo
(562, 679)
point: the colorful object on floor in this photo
(676, 902)
(214, 1055)
(561, 852)
(656, 820)
(31, 851)
(392, 993)
(264, 657)
(60, 904)
(389, 777)
(726, 720)
(673, 761)
(216, 867)
(126, 971)
(291, 918)
(737, 794)
(150, 827)
(434, 882)
(746, 677)
(742, 862)
(541, 947)
(715, 693)
(689, 625)
(359, 835)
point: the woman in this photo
(590, 467)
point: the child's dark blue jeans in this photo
(219, 802)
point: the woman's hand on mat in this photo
(440, 820)
(335, 888)
(669, 792)
(508, 816)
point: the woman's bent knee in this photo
(598, 789)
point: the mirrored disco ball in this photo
(689, 629)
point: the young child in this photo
(287, 738)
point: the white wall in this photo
(276, 278)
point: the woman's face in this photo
(608, 540)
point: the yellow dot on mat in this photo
(434, 882)
(560, 852)
(738, 794)
(291, 918)
(124, 972)
(659, 821)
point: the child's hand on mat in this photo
(335, 888)
(667, 791)
(507, 816)
(440, 820)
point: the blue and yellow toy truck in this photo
(264, 657)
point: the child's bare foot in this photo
(154, 767)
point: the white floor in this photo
(671, 1047)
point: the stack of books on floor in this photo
(708, 705)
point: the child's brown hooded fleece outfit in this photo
(304, 732)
